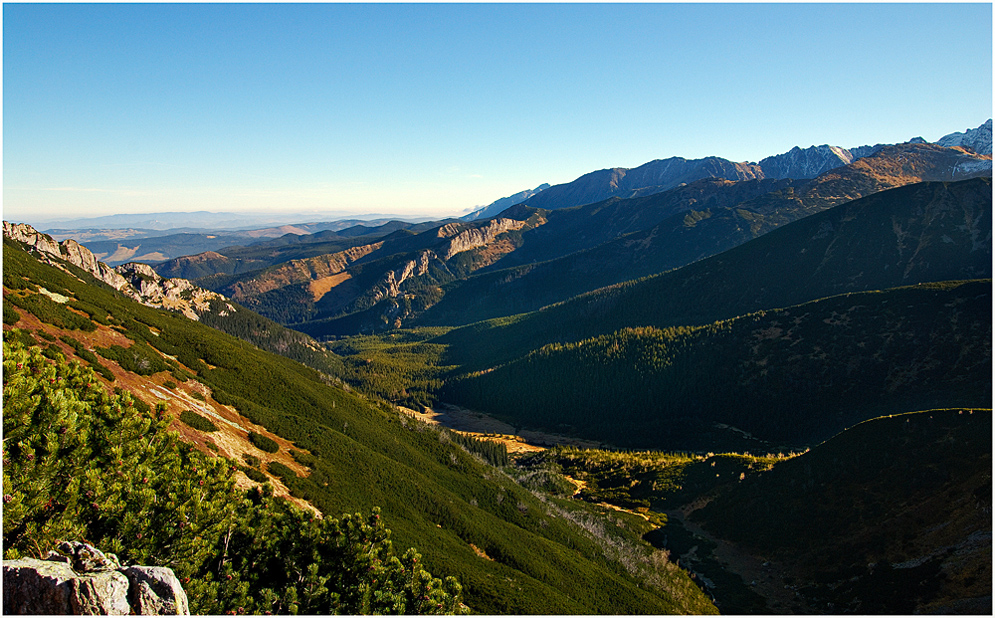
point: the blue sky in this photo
(435, 108)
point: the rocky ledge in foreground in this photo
(79, 579)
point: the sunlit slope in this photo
(918, 233)
(436, 496)
(584, 248)
(791, 376)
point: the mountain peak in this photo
(979, 139)
(805, 163)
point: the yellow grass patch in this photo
(320, 287)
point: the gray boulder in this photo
(156, 591)
(79, 579)
(33, 586)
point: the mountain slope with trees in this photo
(918, 233)
(788, 378)
(890, 516)
(433, 492)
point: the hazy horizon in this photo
(433, 110)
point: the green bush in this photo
(137, 491)
(139, 358)
(53, 351)
(263, 443)
(19, 335)
(251, 460)
(304, 459)
(89, 357)
(197, 421)
(254, 474)
(10, 315)
(51, 312)
(280, 470)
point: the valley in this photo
(692, 387)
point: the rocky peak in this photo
(135, 280)
(979, 140)
(806, 162)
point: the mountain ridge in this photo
(906, 229)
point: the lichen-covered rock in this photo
(156, 591)
(33, 586)
(103, 593)
(79, 579)
(86, 558)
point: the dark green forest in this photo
(797, 375)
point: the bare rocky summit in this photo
(979, 140)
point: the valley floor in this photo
(486, 427)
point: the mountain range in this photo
(744, 394)
(186, 239)
(530, 257)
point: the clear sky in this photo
(436, 108)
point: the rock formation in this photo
(138, 281)
(79, 579)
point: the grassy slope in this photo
(437, 497)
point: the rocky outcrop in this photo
(390, 285)
(68, 250)
(155, 591)
(135, 280)
(79, 579)
(461, 239)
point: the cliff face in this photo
(135, 280)
(461, 240)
